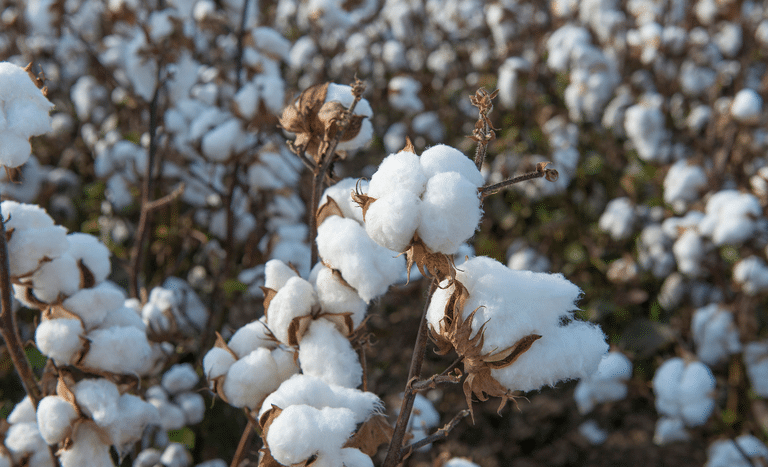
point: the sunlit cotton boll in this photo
(398, 172)
(328, 355)
(250, 379)
(442, 158)
(450, 212)
(392, 219)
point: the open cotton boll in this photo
(22, 216)
(217, 362)
(608, 383)
(285, 359)
(92, 305)
(55, 417)
(28, 247)
(747, 106)
(327, 355)
(715, 334)
(98, 399)
(392, 219)
(57, 278)
(450, 212)
(189, 309)
(303, 389)
(398, 172)
(683, 184)
(176, 455)
(87, 449)
(276, 274)
(250, 379)
(730, 217)
(752, 275)
(336, 297)
(296, 298)
(756, 361)
(23, 439)
(696, 394)
(250, 337)
(341, 192)
(544, 363)
(134, 415)
(618, 218)
(367, 266)
(23, 412)
(59, 339)
(689, 253)
(193, 406)
(443, 158)
(109, 348)
(93, 254)
(666, 384)
(302, 430)
(179, 378)
(124, 316)
(731, 452)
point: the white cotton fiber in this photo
(697, 386)
(296, 298)
(715, 334)
(450, 212)
(54, 419)
(442, 158)
(250, 379)
(336, 297)
(193, 406)
(368, 267)
(308, 390)
(23, 412)
(87, 449)
(92, 305)
(179, 378)
(217, 362)
(59, 339)
(327, 355)
(301, 431)
(124, 316)
(109, 348)
(171, 415)
(735, 452)
(98, 399)
(276, 274)
(28, 247)
(134, 415)
(21, 216)
(285, 359)
(93, 254)
(399, 171)
(250, 337)
(341, 192)
(392, 219)
(22, 439)
(666, 383)
(56, 279)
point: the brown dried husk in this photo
(362, 199)
(430, 264)
(456, 333)
(372, 433)
(328, 209)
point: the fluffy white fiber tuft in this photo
(450, 212)
(295, 299)
(392, 219)
(59, 339)
(398, 172)
(54, 419)
(326, 354)
(250, 379)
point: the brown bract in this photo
(328, 209)
(430, 264)
(316, 122)
(372, 433)
(456, 333)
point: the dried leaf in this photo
(509, 355)
(372, 433)
(63, 391)
(269, 294)
(328, 209)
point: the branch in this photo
(394, 453)
(442, 433)
(8, 328)
(541, 171)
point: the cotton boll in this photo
(87, 449)
(193, 406)
(176, 455)
(28, 247)
(92, 305)
(98, 399)
(442, 158)
(730, 217)
(93, 254)
(55, 417)
(450, 212)
(25, 216)
(608, 383)
(696, 387)
(731, 452)
(747, 106)
(715, 334)
(277, 274)
(134, 415)
(327, 354)
(179, 378)
(392, 219)
(217, 362)
(23, 439)
(109, 347)
(124, 316)
(398, 172)
(403, 94)
(308, 390)
(250, 337)
(301, 431)
(689, 253)
(351, 457)
(341, 192)
(666, 383)
(683, 184)
(618, 219)
(60, 339)
(57, 278)
(424, 417)
(171, 416)
(23, 412)
(336, 297)
(295, 299)
(250, 379)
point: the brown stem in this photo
(321, 172)
(442, 433)
(394, 453)
(541, 171)
(145, 216)
(244, 444)
(9, 328)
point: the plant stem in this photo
(8, 327)
(395, 453)
(442, 433)
(245, 442)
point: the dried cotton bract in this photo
(515, 329)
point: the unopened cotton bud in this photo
(59, 339)
(55, 417)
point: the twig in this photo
(244, 444)
(483, 132)
(240, 34)
(167, 199)
(442, 433)
(743, 454)
(541, 171)
(8, 327)
(433, 381)
(321, 172)
(394, 453)
(452, 366)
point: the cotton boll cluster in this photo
(684, 397)
(518, 312)
(23, 114)
(608, 383)
(176, 400)
(23, 439)
(715, 334)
